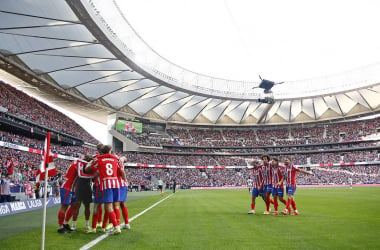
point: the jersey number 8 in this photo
(109, 170)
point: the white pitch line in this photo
(108, 233)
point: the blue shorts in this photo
(111, 195)
(67, 197)
(278, 192)
(268, 188)
(123, 193)
(257, 192)
(98, 195)
(291, 190)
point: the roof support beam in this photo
(36, 26)
(39, 17)
(172, 93)
(245, 111)
(95, 80)
(315, 113)
(43, 50)
(71, 67)
(50, 38)
(265, 113)
(200, 111)
(222, 113)
(175, 111)
(369, 106)
(340, 108)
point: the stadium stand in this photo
(25, 107)
(324, 146)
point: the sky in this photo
(241, 39)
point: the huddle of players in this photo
(269, 178)
(110, 188)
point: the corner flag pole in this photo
(46, 155)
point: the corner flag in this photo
(47, 163)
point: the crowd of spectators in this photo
(23, 165)
(227, 160)
(238, 177)
(24, 168)
(369, 155)
(203, 158)
(342, 132)
(368, 174)
(74, 151)
(28, 108)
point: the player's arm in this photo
(120, 169)
(261, 181)
(121, 173)
(122, 159)
(282, 176)
(280, 183)
(305, 172)
(89, 167)
(96, 174)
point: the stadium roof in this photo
(72, 53)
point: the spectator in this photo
(6, 184)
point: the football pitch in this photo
(330, 218)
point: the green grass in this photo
(331, 218)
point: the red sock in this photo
(253, 206)
(117, 214)
(267, 203)
(275, 205)
(271, 201)
(112, 217)
(69, 214)
(283, 201)
(124, 210)
(105, 219)
(61, 217)
(94, 220)
(100, 212)
(294, 205)
(288, 204)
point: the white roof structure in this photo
(72, 54)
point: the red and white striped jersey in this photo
(277, 174)
(266, 173)
(107, 166)
(290, 175)
(109, 183)
(123, 183)
(71, 177)
(256, 178)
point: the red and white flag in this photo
(47, 162)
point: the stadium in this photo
(196, 128)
